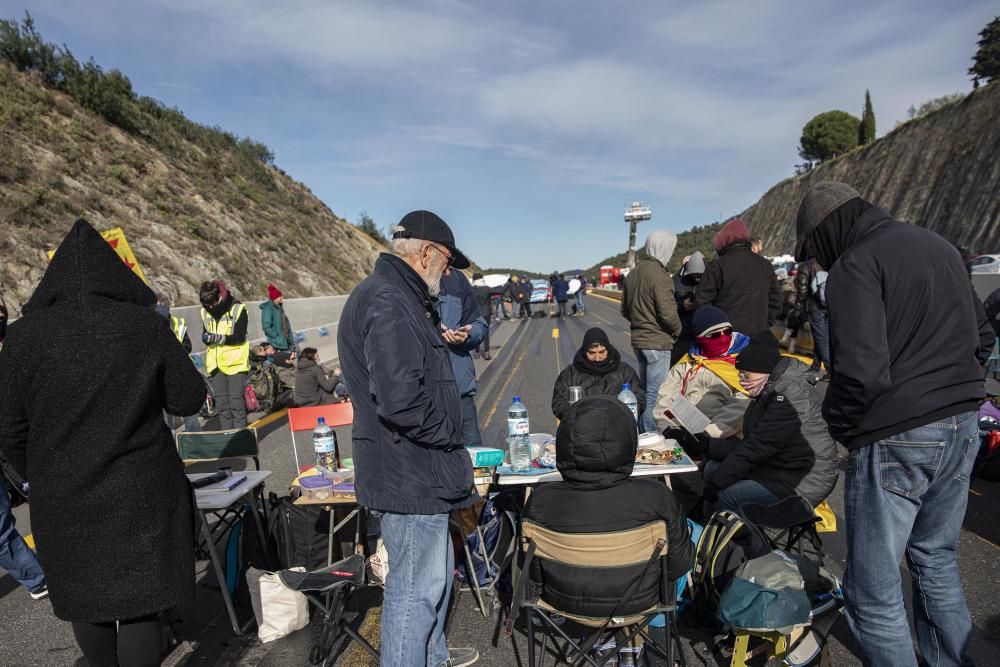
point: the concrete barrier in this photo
(314, 322)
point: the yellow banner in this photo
(116, 239)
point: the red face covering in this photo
(714, 347)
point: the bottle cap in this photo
(321, 420)
(517, 399)
(625, 387)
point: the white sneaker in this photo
(461, 657)
(40, 593)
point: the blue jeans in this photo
(15, 556)
(653, 368)
(819, 325)
(417, 589)
(470, 422)
(745, 491)
(908, 493)
(579, 300)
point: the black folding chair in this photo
(329, 589)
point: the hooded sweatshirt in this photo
(740, 282)
(603, 378)
(595, 453)
(648, 296)
(85, 377)
(908, 336)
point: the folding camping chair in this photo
(304, 419)
(200, 447)
(787, 524)
(586, 559)
(329, 589)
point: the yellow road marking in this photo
(555, 339)
(269, 419)
(607, 298)
(503, 389)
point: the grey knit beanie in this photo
(820, 201)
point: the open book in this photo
(688, 416)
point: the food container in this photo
(337, 476)
(652, 439)
(316, 487)
(539, 443)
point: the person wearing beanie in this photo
(274, 321)
(707, 377)
(599, 369)
(908, 340)
(648, 304)
(786, 449)
(739, 281)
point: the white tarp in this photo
(496, 279)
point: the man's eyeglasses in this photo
(720, 332)
(448, 258)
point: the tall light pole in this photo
(634, 214)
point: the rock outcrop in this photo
(941, 171)
(190, 215)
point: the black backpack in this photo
(298, 532)
(727, 541)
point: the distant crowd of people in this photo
(901, 338)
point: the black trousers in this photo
(133, 643)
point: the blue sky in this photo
(527, 125)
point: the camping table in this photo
(220, 501)
(640, 470)
(332, 504)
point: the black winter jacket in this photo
(595, 385)
(85, 377)
(407, 435)
(595, 453)
(786, 446)
(908, 336)
(743, 285)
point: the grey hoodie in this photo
(660, 245)
(695, 264)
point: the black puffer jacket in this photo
(786, 445)
(743, 285)
(85, 377)
(603, 379)
(595, 452)
(408, 449)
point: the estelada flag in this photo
(116, 239)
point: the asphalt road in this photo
(527, 357)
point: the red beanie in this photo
(735, 231)
(273, 292)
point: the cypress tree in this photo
(866, 130)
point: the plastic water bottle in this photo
(518, 440)
(631, 402)
(325, 445)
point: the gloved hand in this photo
(212, 339)
(695, 445)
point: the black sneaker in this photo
(460, 657)
(40, 593)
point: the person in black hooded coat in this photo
(598, 368)
(85, 375)
(595, 452)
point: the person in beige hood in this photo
(648, 304)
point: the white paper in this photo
(688, 415)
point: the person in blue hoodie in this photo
(463, 328)
(560, 292)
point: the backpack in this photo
(498, 526)
(242, 549)
(818, 287)
(264, 384)
(298, 532)
(726, 542)
(987, 465)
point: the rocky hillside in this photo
(941, 171)
(191, 213)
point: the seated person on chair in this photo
(595, 452)
(313, 385)
(707, 376)
(786, 450)
(599, 368)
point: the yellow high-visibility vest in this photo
(229, 359)
(179, 327)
